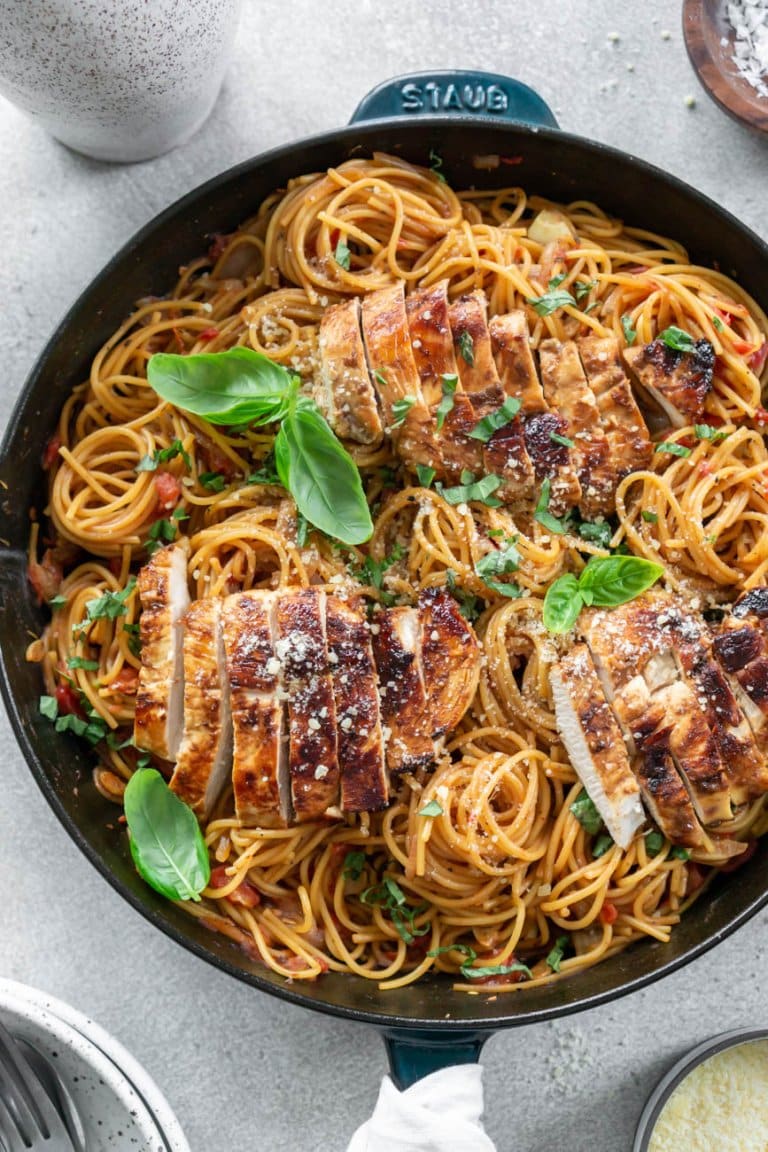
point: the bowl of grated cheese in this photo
(714, 1098)
(727, 42)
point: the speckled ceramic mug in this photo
(117, 79)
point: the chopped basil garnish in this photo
(602, 845)
(426, 475)
(431, 809)
(302, 529)
(48, 707)
(435, 165)
(479, 490)
(494, 970)
(605, 581)
(80, 662)
(470, 605)
(718, 323)
(500, 562)
(564, 440)
(582, 288)
(650, 517)
(491, 423)
(586, 813)
(465, 949)
(450, 381)
(677, 339)
(110, 605)
(162, 456)
(556, 955)
(389, 896)
(680, 853)
(708, 432)
(654, 842)
(550, 302)
(630, 334)
(467, 348)
(213, 481)
(673, 449)
(400, 410)
(596, 532)
(380, 377)
(57, 602)
(342, 255)
(354, 864)
(542, 514)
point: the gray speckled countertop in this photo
(243, 1070)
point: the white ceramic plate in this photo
(122, 1109)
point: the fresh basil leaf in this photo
(80, 662)
(213, 481)
(630, 334)
(586, 813)
(342, 255)
(467, 348)
(450, 382)
(550, 302)
(134, 639)
(556, 281)
(541, 513)
(48, 707)
(480, 490)
(146, 464)
(465, 949)
(431, 809)
(162, 456)
(238, 386)
(562, 604)
(354, 865)
(680, 853)
(718, 323)
(57, 602)
(654, 842)
(650, 517)
(110, 605)
(596, 532)
(555, 957)
(426, 475)
(602, 845)
(708, 432)
(470, 605)
(322, 477)
(672, 448)
(566, 441)
(167, 845)
(500, 562)
(470, 973)
(491, 423)
(400, 410)
(436, 164)
(677, 339)
(582, 288)
(608, 581)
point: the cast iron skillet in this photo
(458, 116)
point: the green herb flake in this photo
(464, 949)
(431, 809)
(57, 602)
(400, 410)
(302, 530)
(435, 165)
(677, 339)
(586, 813)
(48, 707)
(466, 347)
(500, 562)
(550, 302)
(672, 449)
(654, 842)
(542, 514)
(470, 605)
(470, 973)
(630, 333)
(680, 853)
(342, 255)
(450, 383)
(718, 323)
(602, 845)
(480, 490)
(582, 288)
(597, 532)
(380, 377)
(354, 865)
(485, 428)
(389, 896)
(80, 662)
(555, 957)
(163, 456)
(708, 432)
(566, 441)
(110, 605)
(426, 475)
(213, 481)
(650, 517)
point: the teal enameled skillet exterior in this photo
(460, 116)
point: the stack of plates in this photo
(122, 1109)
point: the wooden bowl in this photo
(705, 27)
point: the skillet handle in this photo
(464, 94)
(413, 1055)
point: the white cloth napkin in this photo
(440, 1113)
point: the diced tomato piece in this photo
(757, 360)
(743, 347)
(335, 237)
(736, 862)
(208, 334)
(299, 964)
(168, 489)
(687, 441)
(126, 681)
(609, 913)
(51, 451)
(245, 894)
(45, 576)
(761, 416)
(68, 701)
(724, 316)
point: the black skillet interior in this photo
(544, 161)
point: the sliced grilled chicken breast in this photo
(404, 709)
(260, 755)
(205, 756)
(678, 382)
(364, 782)
(595, 745)
(551, 459)
(394, 376)
(666, 796)
(514, 361)
(741, 647)
(164, 596)
(566, 389)
(343, 389)
(302, 649)
(629, 445)
(450, 659)
(468, 317)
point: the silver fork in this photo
(28, 1120)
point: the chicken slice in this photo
(302, 649)
(595, 745)
(677, 382)
(164, 596)
(741, 647)
(450, 659)
(205, 757)
(629, 445)
(404, 707)
(550, 460)
(343, 389)
(666, 796)
(393, 371)
(260, 755)
(364, 783)
(567, 391)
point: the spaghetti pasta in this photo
(504, 869)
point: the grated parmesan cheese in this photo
(749, 20)
(722, 1104)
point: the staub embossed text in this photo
(434, 97)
